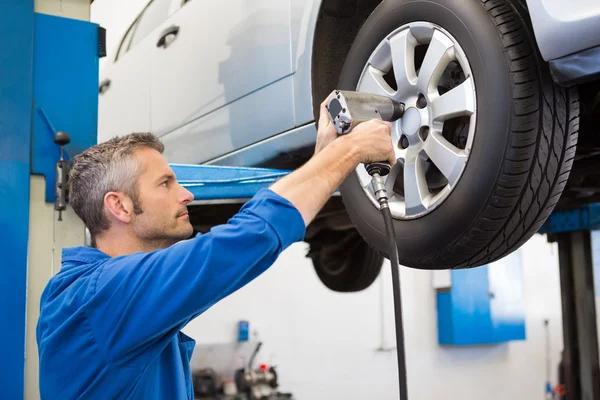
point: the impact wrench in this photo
(346, 110)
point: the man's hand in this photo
(327, 132)
(309, 187)
(371, 142)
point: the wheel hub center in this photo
(411, 122)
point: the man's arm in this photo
(139, 301)
(309, 187)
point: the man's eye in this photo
(165, 183)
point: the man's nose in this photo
(187, 196)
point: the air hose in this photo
(381, 195)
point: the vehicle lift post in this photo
(571, 230)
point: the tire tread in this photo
(544, 132)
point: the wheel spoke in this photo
(372, 82)
(390, 179)
(415, 185)
(457, 102)
(449, 159)
(438, 56)
(403, 60)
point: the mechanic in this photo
(110, 320)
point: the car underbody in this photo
(583, 186)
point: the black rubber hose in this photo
(389, 227)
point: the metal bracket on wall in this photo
(61, 186)
(62, 174)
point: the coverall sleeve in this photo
(141, 300)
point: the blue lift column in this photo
(48, 82)
(572, 231)
(16, 86)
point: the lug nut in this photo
(403, 144)
(421, 101)
(424, 132)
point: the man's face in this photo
(163, 201)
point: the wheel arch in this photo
(337, 25)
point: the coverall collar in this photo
(83, 255)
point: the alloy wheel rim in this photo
(423, 66)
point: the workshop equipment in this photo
(207, 384)
(346, 110)
(259, 383)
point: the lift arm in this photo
(217, 183)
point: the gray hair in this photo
(107, 167)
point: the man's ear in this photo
(119, 206)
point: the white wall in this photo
(324, 343)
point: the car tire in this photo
(343, 261)
(523, 144)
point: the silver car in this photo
(497, 92)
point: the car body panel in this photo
(125, 106)
(228, 81)
(225, 87)
(304, 15)
(280, 145)
(248, 120)
(564, 27)
(221, 62)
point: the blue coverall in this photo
(109, 328)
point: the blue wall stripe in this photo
(16, 65)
